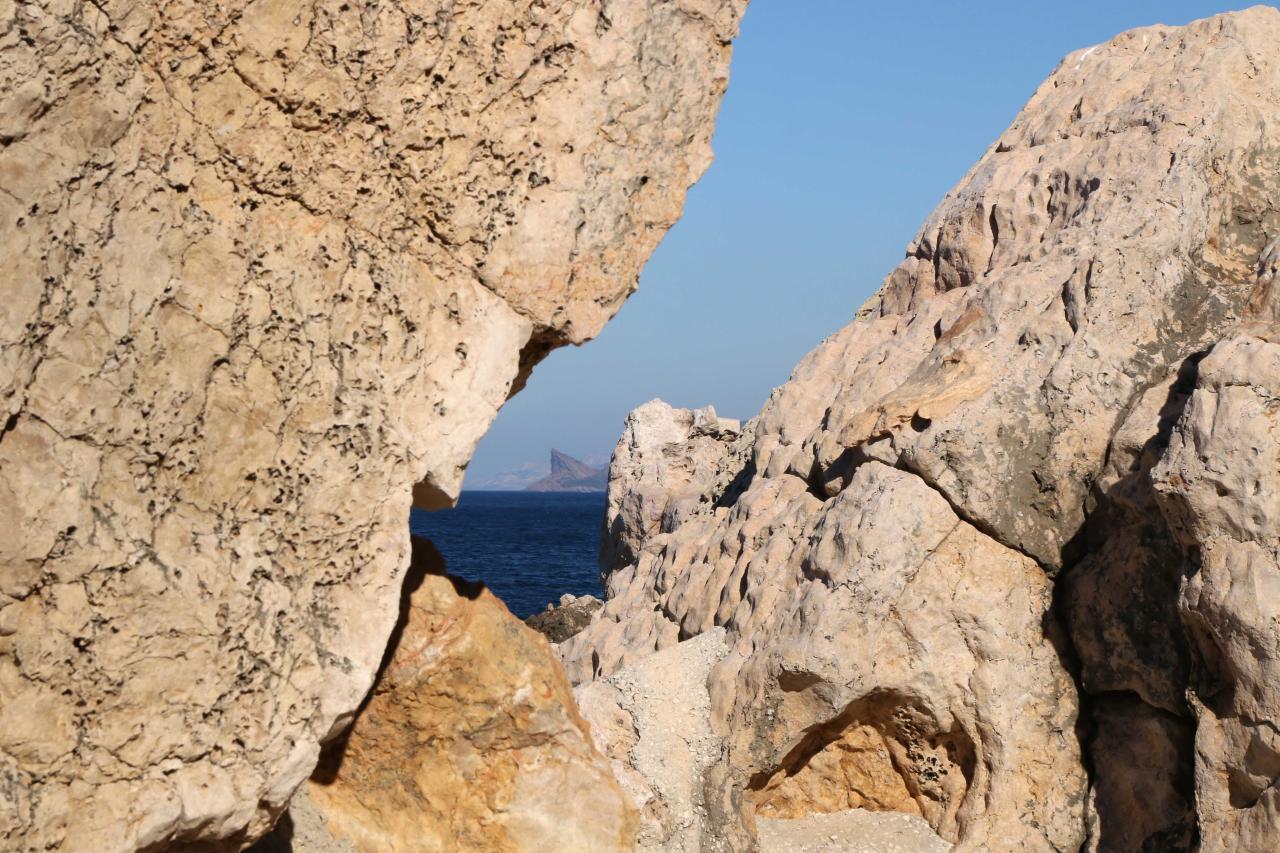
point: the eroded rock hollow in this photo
(268, 266)
(1002, 552)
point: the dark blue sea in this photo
(528, 547)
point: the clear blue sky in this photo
(844, 124)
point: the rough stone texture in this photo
(268, 265)
(459, 748)
(669, 464)
(560, 622)
(900, 662)
(1120, 602)
(910, 672)
(1219, 484)
(653, 720)
(302, 829)
(1003, 402)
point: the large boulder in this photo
(668, 464)
(897, 660)
(269, 265)
(459, 748)
(943, 570)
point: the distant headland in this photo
(571, 475)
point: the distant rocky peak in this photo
(562, 464)
(571, 475)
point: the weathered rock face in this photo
(948, 529)
(652, 488)
(458, 748)
(857, 682)
(1219, 483)
(669, 466)
(266, 267)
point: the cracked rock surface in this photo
(269, 265)
(459, 748)
(1219, 484)
(1000, 553)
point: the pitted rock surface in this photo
(269, 265)
(1219, 485)
(1012, 520)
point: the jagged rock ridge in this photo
(999, 553)
(267, 266)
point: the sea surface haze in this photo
(528, 547)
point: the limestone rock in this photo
(1121, 605)
(1121, 599)
(911, 672)
(1219, 485)
(670, 463)
(560, 622)
(267, 266)
(653, 720)
(859, 686)
(949, 521)
(459, 748)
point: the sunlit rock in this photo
(1007, 525)
(267, 266)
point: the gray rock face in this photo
(1008, 521)
(267, 266)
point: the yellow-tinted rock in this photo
(470, 740)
